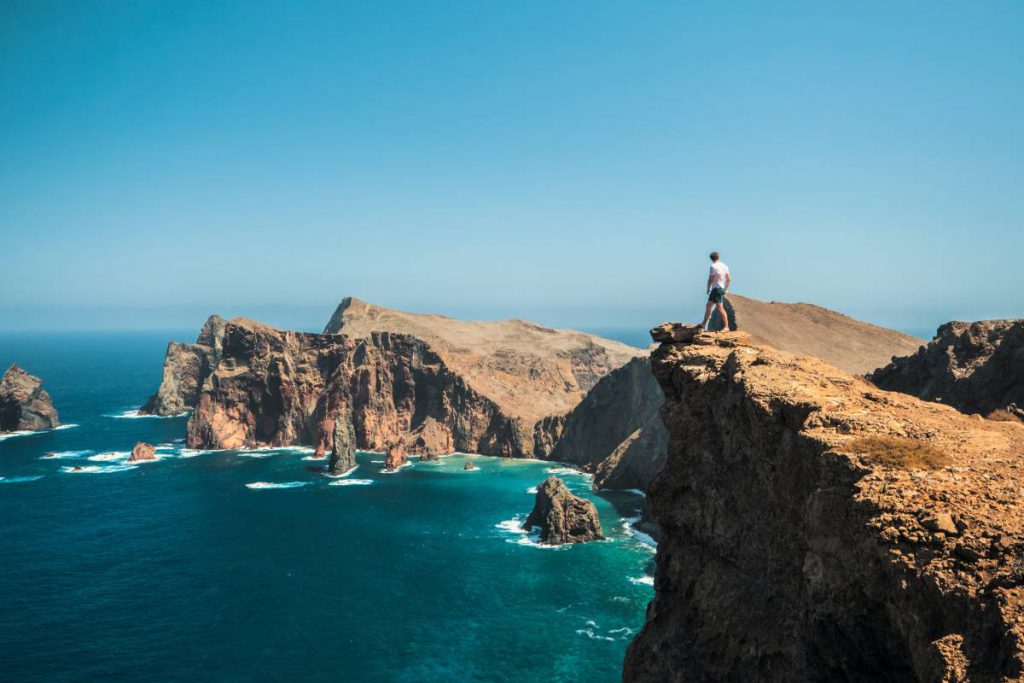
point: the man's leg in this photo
(725, 317)
(707, 314)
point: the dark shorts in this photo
(716, 296)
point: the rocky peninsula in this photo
(815, 527)
(24, 404)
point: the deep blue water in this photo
(178, 571)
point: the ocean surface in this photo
(253, 566)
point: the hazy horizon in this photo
(571, 164)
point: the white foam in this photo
(642, 580)
(63, 427)
(113, 456)
(276, 485)
(351, 482)
(512, 526)
(589, 633)
(314, 458)
(568, 472)
(636, 492)
(61, 455)
(27, 432)
(628, 525)
(255, 453)
(397, 469)
(343, 474)
(625, 630)
(136, 415)
(522, 536)
(532, 490)
(20, 480)
(11, 435)
(96, 469)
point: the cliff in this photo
(24, 404)
(273, 387)
(974, 367)
(615, 431)
(815, 527)
(525, 369)
(186, 366)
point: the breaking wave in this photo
(259, 485)
(351, 482)
(20, 480)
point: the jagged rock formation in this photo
(396, 457)
(469, 464)
(974, 367)
(342, 442)
(186, 366)
(788, 552)
(809, 330)
(615, 432)
(278, 388)
(24, 404)
(561, 516)
(527, 370)
(142, 451)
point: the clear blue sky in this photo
(569, 162)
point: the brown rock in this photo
(974, 367)
(396, 457)
(469, 464)
(24, 404)
(786, 555)
(186, 367)
(339, 431)
(143, 451)
(561, 516)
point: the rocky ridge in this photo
(24, 404)
(790, 552)
(562, 517)
(975, 367)
(186, 366)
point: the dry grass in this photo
(899, 453)
(1003, 415)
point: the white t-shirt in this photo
(718, 272)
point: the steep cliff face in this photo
(273, 387)
(526, 369)
(790, 550)
(615, 431)
(974, 367)
(24, 404)
(186, 366)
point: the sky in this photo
(571, 163)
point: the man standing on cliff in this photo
(717, 285)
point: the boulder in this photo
(24, 405)
(469, 464)
(142, 451)
(561, 516)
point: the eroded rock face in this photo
(278, 388)
(561, 516)
(615, 432)
(396, 457)
(186, 367)
(974, 367)
(786, 556)
(143, 451)
(342, 442)
(24, 404)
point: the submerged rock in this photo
(24, 405)
(142, 451)
(561, 516)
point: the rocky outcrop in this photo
(142, 451)
(562, 517)
(342, 441)
(974, 367)
(468, 465)
(186, 366)
(24, 404)
(532, 372)
(396, 457)
(793, 548)
(278, 388)
(615, 431)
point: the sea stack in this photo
(469, 464)
(142, 452)
(396, 457)
(24, 405)
(563, 517)
(343, 443)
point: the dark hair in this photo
(714, 256)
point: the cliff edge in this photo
(815, 527)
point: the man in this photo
(718, 284)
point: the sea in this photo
(255, 566)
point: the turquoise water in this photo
(181, 570)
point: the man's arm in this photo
(728, 281)
(707, 287)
